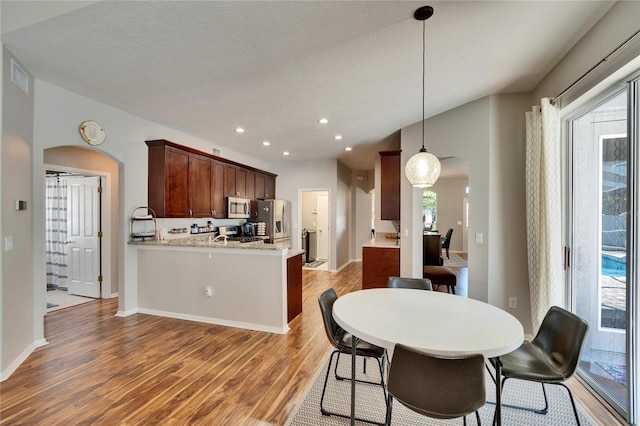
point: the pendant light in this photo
(423, 168)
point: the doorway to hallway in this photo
(315, 238)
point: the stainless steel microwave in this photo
(238, 208)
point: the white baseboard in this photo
(126, 313)
(113, 295)
(344, 265)
(21, 358)
(217, 321)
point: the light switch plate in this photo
(8, 243)
(479, 237)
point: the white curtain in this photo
(544, 217)
(56, 231)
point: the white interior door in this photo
(82, 239)
(323, 225)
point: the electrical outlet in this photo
(513, 302)
(208, 291)
(479, 237)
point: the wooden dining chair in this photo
(436, 386)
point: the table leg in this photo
(353, 380)
(498, 415)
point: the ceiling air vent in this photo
(216, 151)
(19, 77)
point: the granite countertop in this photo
(293, 253)
(382, 243)
(206, 242)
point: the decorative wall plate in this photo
(92, 132)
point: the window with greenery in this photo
(429, 209)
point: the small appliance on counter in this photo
(249, 229)
(276, 216)
(235, 233)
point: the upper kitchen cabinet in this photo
(168, 183)
(269, 186)
(390, 185)
(218, 206)
(235, 181)
(184, 182)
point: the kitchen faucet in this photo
(216, 239)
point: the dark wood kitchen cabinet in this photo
(390, 185)
(200, 186)
(168, 184)
(184, 182)
(294, 286)
(269, 186)
(265, 186)
(378, 264)
(235, 181)
(219, 205)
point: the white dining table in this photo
(431, 321)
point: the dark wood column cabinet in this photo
(294, 286)
(431, 249)
(184, 182)
(378, 264)
(390, 185)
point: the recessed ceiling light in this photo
(239, 130)
(285, 153)
(266, 143)
(323, 121)
(338, 137)
(348, 148)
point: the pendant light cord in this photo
(423, 76)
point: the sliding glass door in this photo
(602, 240)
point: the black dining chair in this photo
(436, 386)
(551, 357)
(412, 283)
(447, 241)
(341, 341)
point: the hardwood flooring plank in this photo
(99, 369)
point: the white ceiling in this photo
(275, 68)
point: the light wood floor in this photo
(100, 369)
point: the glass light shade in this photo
(423, 169)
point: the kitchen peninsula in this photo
(247, 282)
(380, 260)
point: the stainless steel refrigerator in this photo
(276, 214)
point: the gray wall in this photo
(343, 215)
(362, 211)
(17, 273)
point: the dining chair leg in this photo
(545, 409)
(478, 418)
(387, 420)
(324, 388)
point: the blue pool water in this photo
(613, 266)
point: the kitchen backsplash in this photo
(182, 227)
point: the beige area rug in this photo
(62, 299)
(370, 402)
(456, 260)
